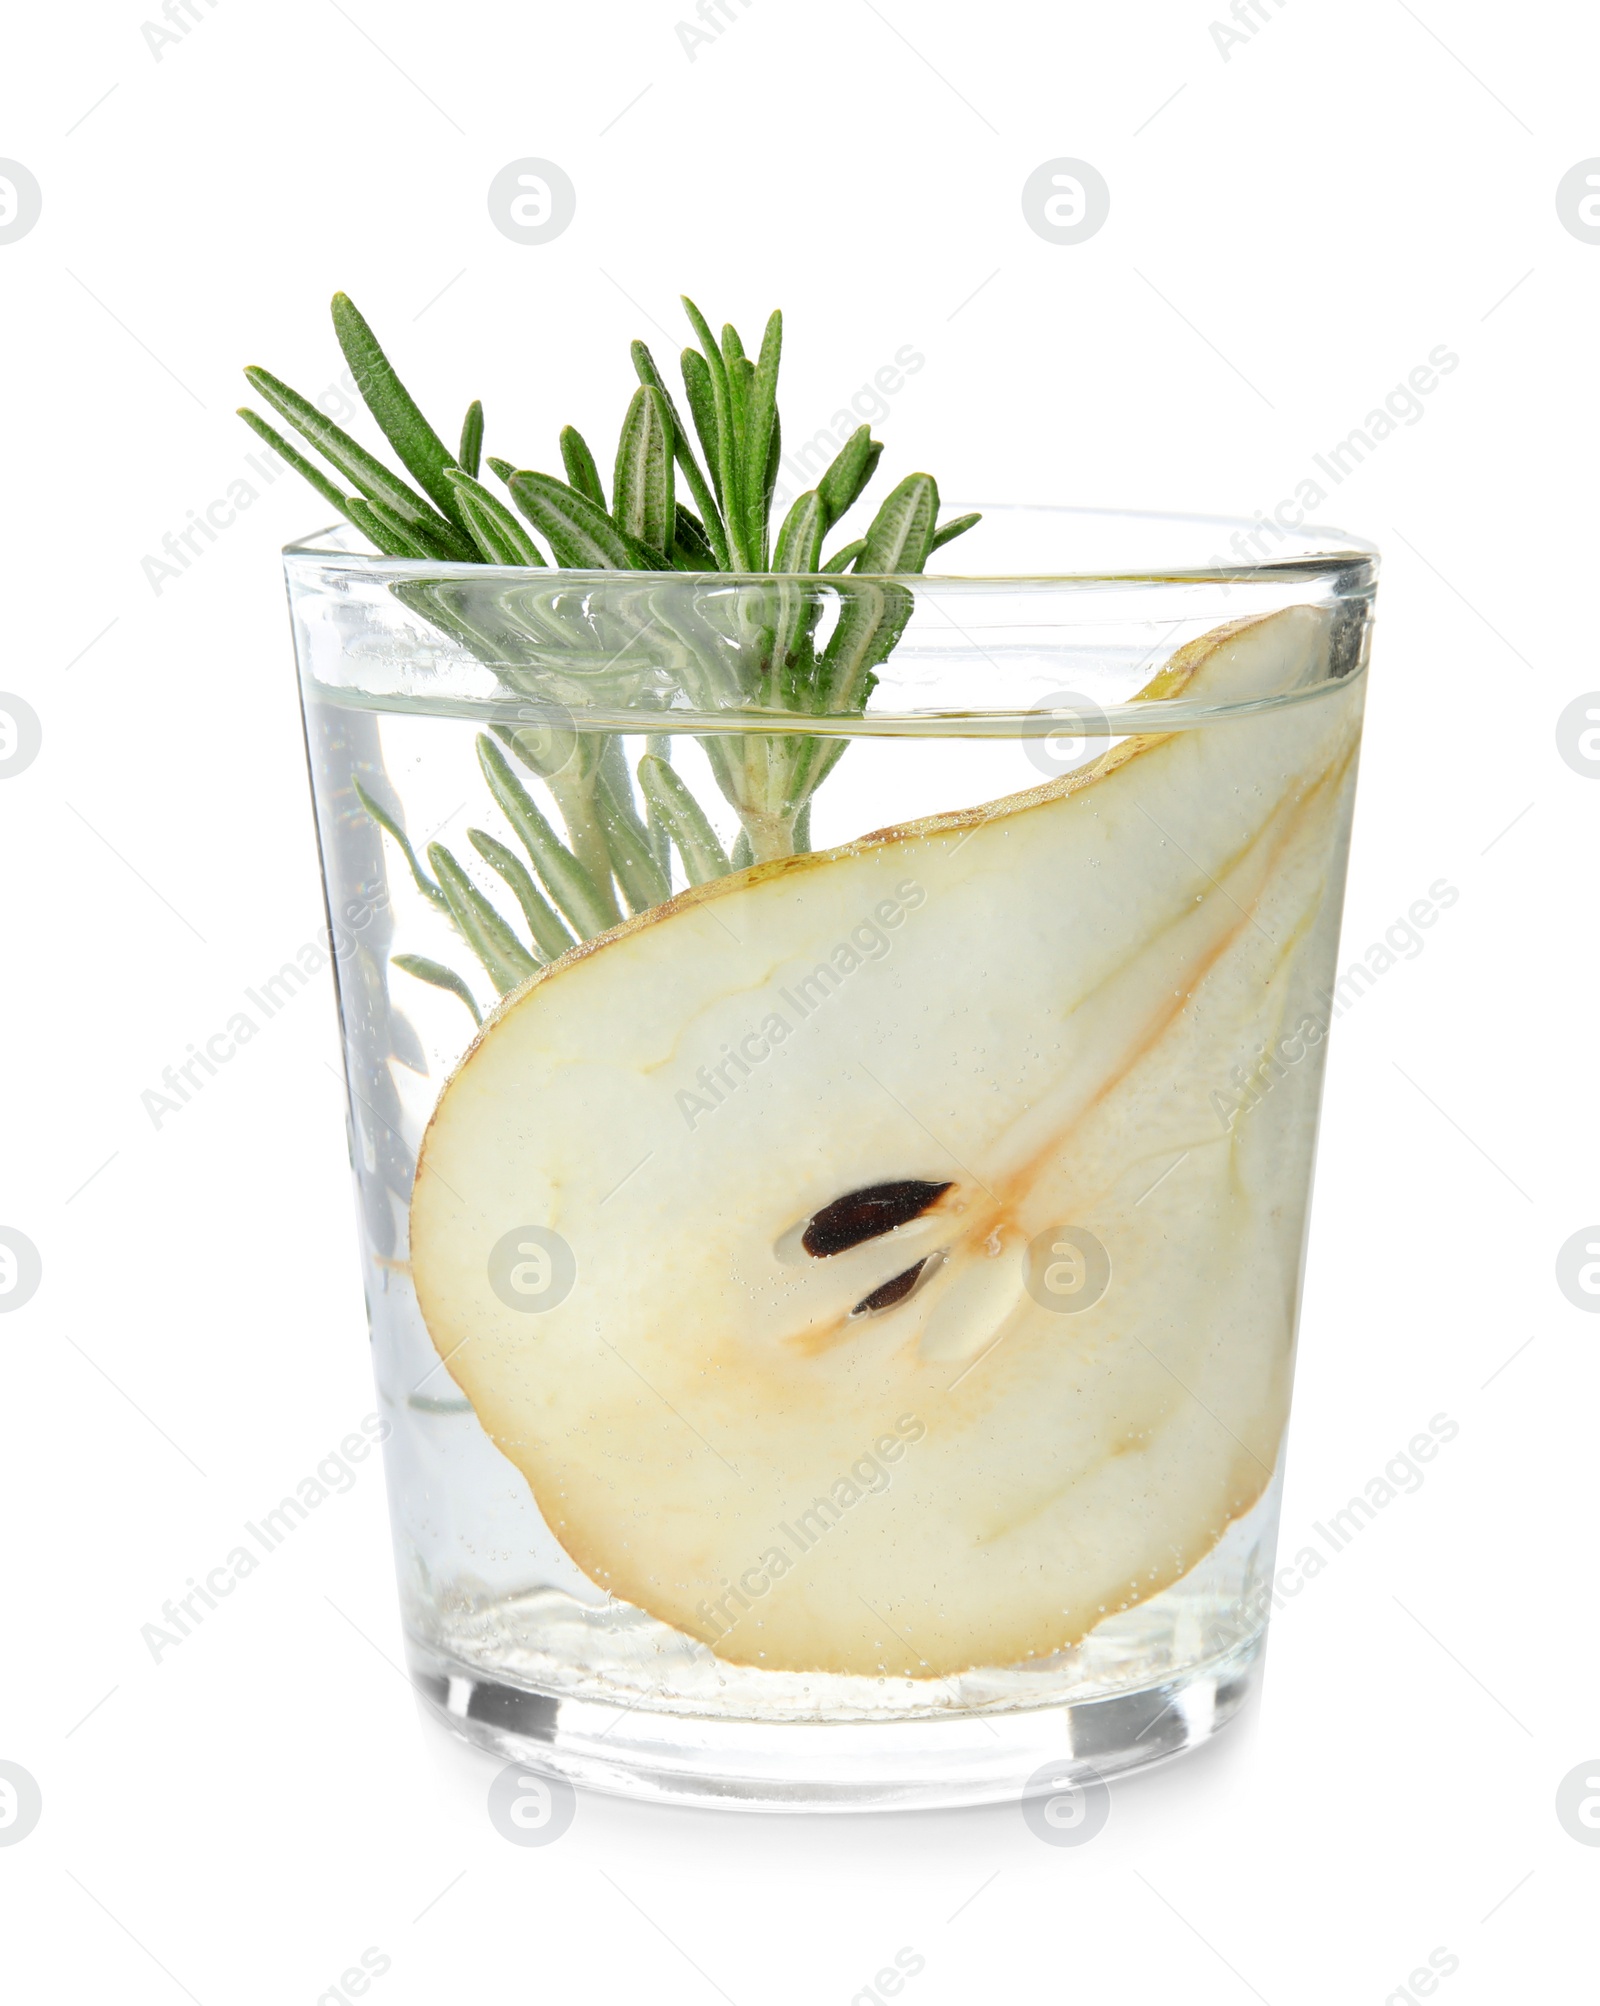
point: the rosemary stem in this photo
(771, 836)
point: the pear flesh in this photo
(909, 1452)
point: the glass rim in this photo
(982, 609)
(1322, 548)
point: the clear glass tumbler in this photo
(834, 1067)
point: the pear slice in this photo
(826, 1140)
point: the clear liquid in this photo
(485, 1583)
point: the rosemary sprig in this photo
(768, 660)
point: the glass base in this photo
(920, 1764)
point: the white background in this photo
(1292, 230)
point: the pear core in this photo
(1036, 1386)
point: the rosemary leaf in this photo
(380, 531)
(642, 501)
(471, 438)
(691, 551)
(791, 661)
(728, 486)
(582, 473)
(740, 373)
(705, 501)
(544, 923)
(613, 768)
(642, 880)
(850, 471)
(404, 539)
(726, 460)
(659, 745)
(574, 789)
(902, 531)
(583, 537)
(492, 526)
(506, 960)
(703, 409)
(441, 977)
(566, 880)
(871, 621)
(393, 830)
(770, 481)
(684, 819)
(843, 558)
(761, 420)
(958, 525)
(301, 465)
(566, 761)
(702, 333)
(799, 546)
(421, 450)
(368, 476)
